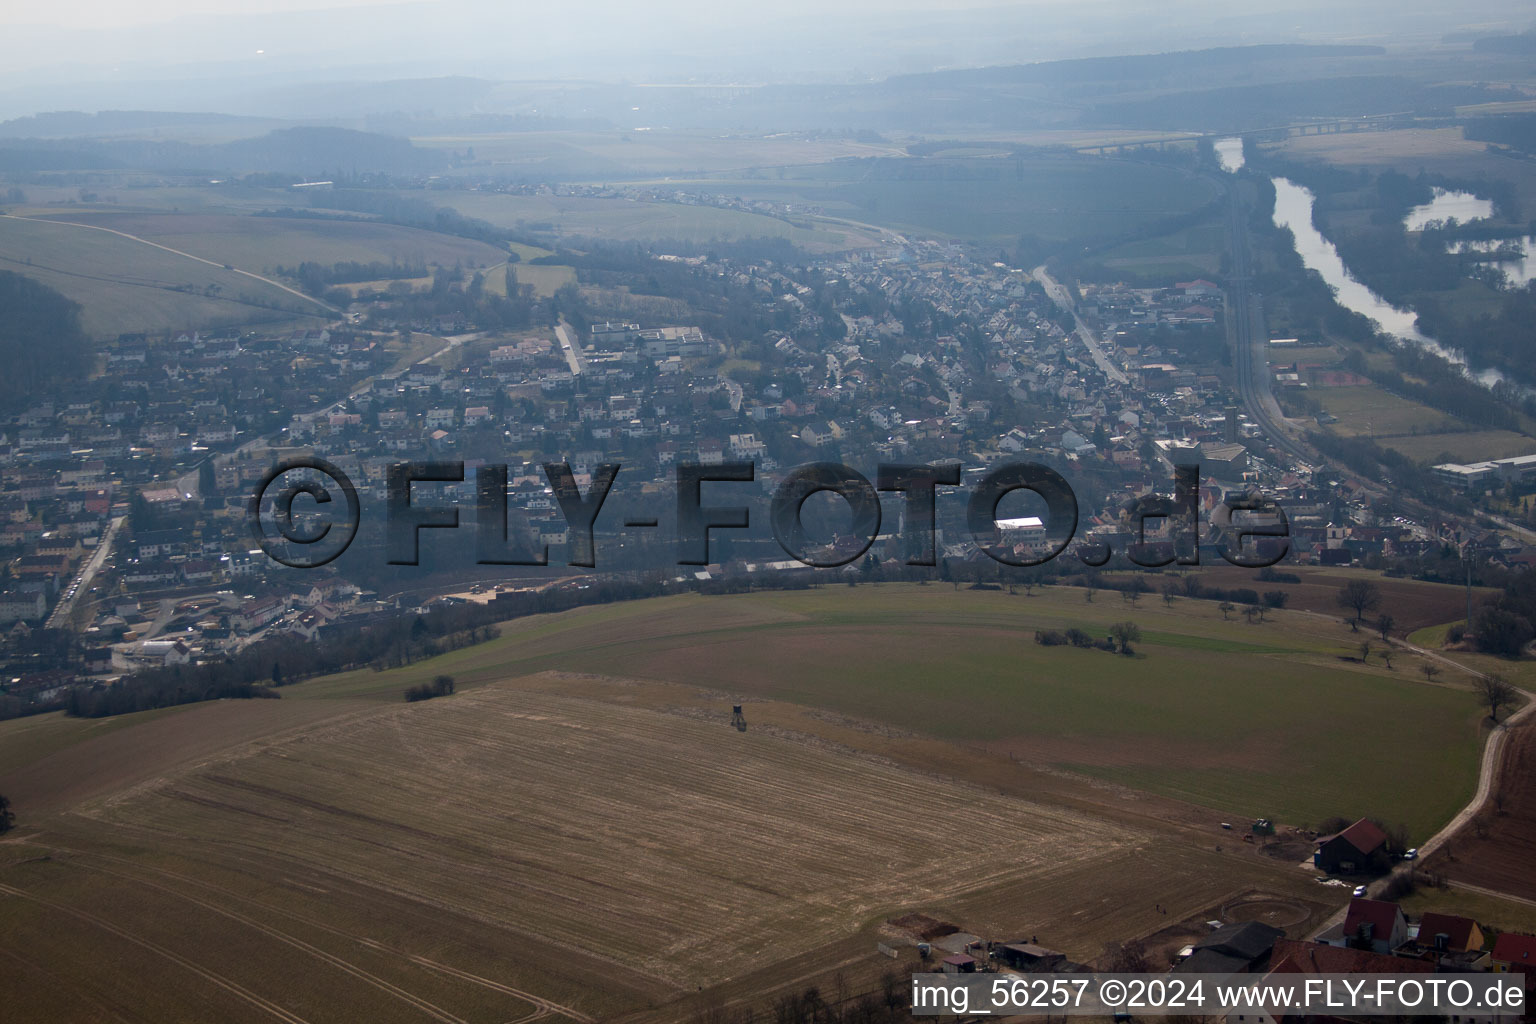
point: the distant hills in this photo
(304, 151)
(1136, 67)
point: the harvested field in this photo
(1498, 850)
(673, 835)
(464, 859)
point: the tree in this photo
(1496, 692)
(207, 482)
(1125, 634)
(1170, 590)
(1498, 631)
(7, 819)
(1430, 670)
(1360, 596)
(1384, 623)
(1226, 609)
(1386, 655)
(1365, 650)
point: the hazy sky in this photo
(200, 54)
(117, 14)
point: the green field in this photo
(1180, 256)
(1250, 719)
(1370, 412)
(615, 219)
(124, 285)
(262, 244)
(985, 200)
(1464, 446)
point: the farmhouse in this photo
(1361, 847)
(1515, 953)
(1370, 924)
(1447, 933)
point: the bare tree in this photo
(1170, 591)
(7, 819)
(1226, 609)
(1496, 692)
(1386, 655)
(1360, 596)
(1365, 650)
(1384, 623)
(1125, 634)
(1430, 670)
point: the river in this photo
(1293, 210)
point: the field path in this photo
(217, 979)
(188, 255)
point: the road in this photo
(572, 348)
(222, 266)
(82, 584)
(1245, 330)
(1063, 298)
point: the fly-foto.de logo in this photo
(305, 512)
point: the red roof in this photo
(1363, 835)
(1458, 930)
(1515, 949)
(1294, 956)
(1377, 913)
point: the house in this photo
(1447, 933)
(1361, 847)
(1297, 956)
(1515, 953)
(1375, 925)
(165, 652)
(20, 606)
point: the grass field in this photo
(546, 280)
(985, 200)
(1185, 254)
(1252, 720)
(124, 286)
(1463, 446)
(1370, 412)
(264, 243)
(627, 220)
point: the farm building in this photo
(959, 963)
(1361, 847)
(1026, 956)
(1233, 949)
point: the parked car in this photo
(1359, 892)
